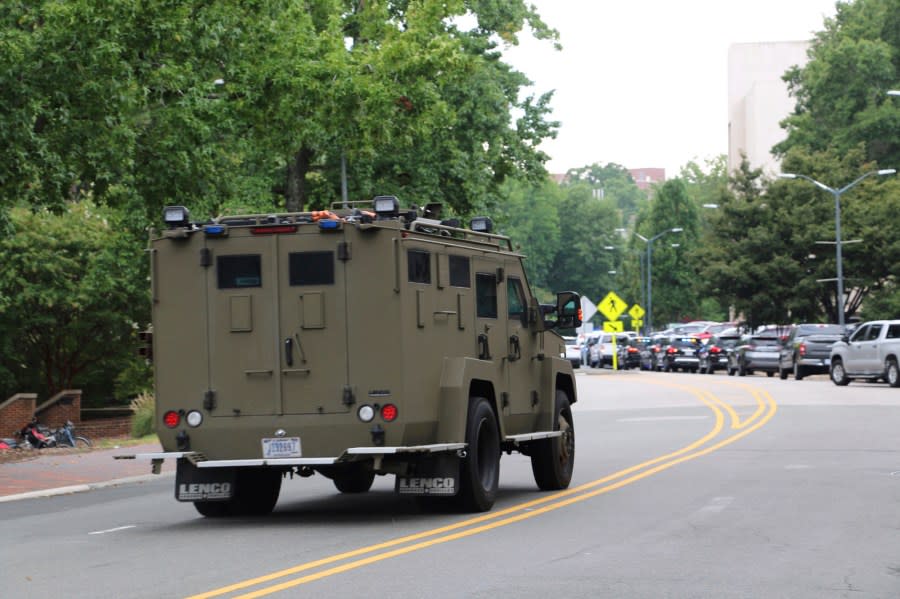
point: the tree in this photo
(612, 181)
(71, 294)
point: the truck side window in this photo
(419, 266)
(311, 268)
(515, 297)
(893, 332)
(235, 272)
(486, 295)
(860, 334)
(874, 332)
(459, 271)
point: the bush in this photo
(144, 408)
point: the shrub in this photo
(144, 408)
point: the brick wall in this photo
(16, 412)
(65, 405)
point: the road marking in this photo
(662, 418)
(116, 529)
(523, 511)
(716, 505)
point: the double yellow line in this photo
(765, 410)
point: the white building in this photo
(758, 100)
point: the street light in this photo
(893, 92)
(649, 243)
(837, 226)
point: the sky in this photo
(644, 83)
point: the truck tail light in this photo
(171, 419)
(389, 412)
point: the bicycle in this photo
(66, 437)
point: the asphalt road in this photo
(686, 486)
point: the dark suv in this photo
(807, 349)
(681, 354)
(714, 354)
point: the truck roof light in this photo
(481, 224)
(329, 224)
(215, 230)
(386, 206)
(176, 216)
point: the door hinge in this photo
(209, 400)
(504, 399)
(205, 257)
(343, 251)
(349, 398)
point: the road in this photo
(686, 486)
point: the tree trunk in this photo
(295, 192)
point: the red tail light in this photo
(714, 350)
(389, 412)
(671, 350)
(802, 349)
(171, 419)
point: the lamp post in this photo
(837, 226)
(649, 243)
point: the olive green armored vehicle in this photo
(353, 343)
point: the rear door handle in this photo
(289, 351)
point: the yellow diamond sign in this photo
(636, 312)
(612, 306)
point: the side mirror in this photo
(568, 310)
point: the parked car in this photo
(681, 354)
(589, 340)
(713, 355)
(648, 348)
(756, 352)
(629, 354)
(807, 349)
(602, 350)
(872, 352)
(573, 353)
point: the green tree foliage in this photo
(612, 182)
(530, 217)
(71, 292)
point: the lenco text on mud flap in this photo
(194, 484)
(432, 475)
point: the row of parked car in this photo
(869, 351)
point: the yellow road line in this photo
(517, 513)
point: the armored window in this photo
(311, 268)
(515, 297)
(235, 272)
(419, 266)
(460, 275)
(486, 295)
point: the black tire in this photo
(553, 460)
(783, 372)
(770, 373)
(742, 371)
(892, 373)
(838, 374)
(730, 371)
(480, 471)
(353, 479)
(799, 373)
(256, 493)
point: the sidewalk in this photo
(56, 474)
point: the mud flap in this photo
(436, 474)
(208, 484)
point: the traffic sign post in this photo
(612, 306)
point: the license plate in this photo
(282, 447)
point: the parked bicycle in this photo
(66, 437)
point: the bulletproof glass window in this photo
(235, 272)
(486, 295)
(515, 297)
(419, 266)
(459, 271)
(311, 268)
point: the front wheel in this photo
(838, 374)
(553, 460)
(891, 373)
(480, 472)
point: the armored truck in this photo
(356, 342)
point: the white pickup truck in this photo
(871, 352)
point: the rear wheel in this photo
(891, 373)
(838, 374)
(782, 371)
(354, 479)
(742, 371)
(480, 472)
(255, 494)
(552, 460)
(798, 371)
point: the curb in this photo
(84, 487)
